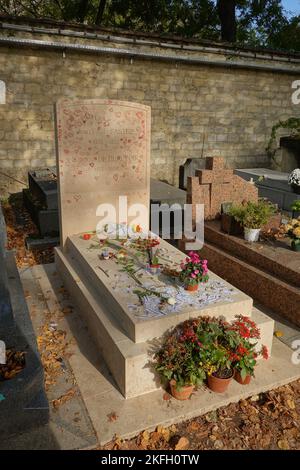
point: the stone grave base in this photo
(272, 185)
(150, 410)
(125, 342)
(102, 398)
(269, 272)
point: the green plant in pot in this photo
(292, 230)
(177, 361)
(295, 207)
(215, 353)
(243, 335)
(193, 271)
(253, 216)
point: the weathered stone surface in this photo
(116, 287)
(196, 110)
(24, 403)
(103, 152)
(216, 185)
(129, 362)
(276, 294)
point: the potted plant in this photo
(292, 230)
(229, 224)
(295, 207)
(243, 335)
(253, 216)
(217, 364)
(214, 353)
(193, 271)
(294, 180)
(177, 361)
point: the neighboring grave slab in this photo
(272, 185)
(103, 152)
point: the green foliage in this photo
(257, 22)
(253, 215)
(296, 206)
(292, 124)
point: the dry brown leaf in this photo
(67, 310)
(283, 444)
(166, 396)
(291, 404)
(182, 444)
(111, 417)
(64, 398)
(278, 333)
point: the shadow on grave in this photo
(80, 331)
(23, 402)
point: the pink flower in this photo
(196, 271)
(193, 275)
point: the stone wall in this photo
(198, 109)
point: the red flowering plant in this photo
(243, 335)
(178, 358)
(193, 269)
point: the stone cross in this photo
(215, 185)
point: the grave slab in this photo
(128, 362)
(144, 322)
(271, 184)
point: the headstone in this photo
(189, 168)
(103, 152)
(216, 185)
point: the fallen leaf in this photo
(182, 444)
(111, 417)
(166, 396)
(278, 333)
(64, 398)
(283, 444)
(291, 404)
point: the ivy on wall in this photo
(292, 123)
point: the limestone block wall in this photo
(198, 109)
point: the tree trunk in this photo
(226, 11)
(101, 8)
(82, 10)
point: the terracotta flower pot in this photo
(191, 288)
(238, 378)
(182, 393)
(217, 384)
(154, 268)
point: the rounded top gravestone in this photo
(103, 152)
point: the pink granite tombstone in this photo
(103, 152)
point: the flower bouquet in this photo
(294, 180)
(193, 271)
(292, 229)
